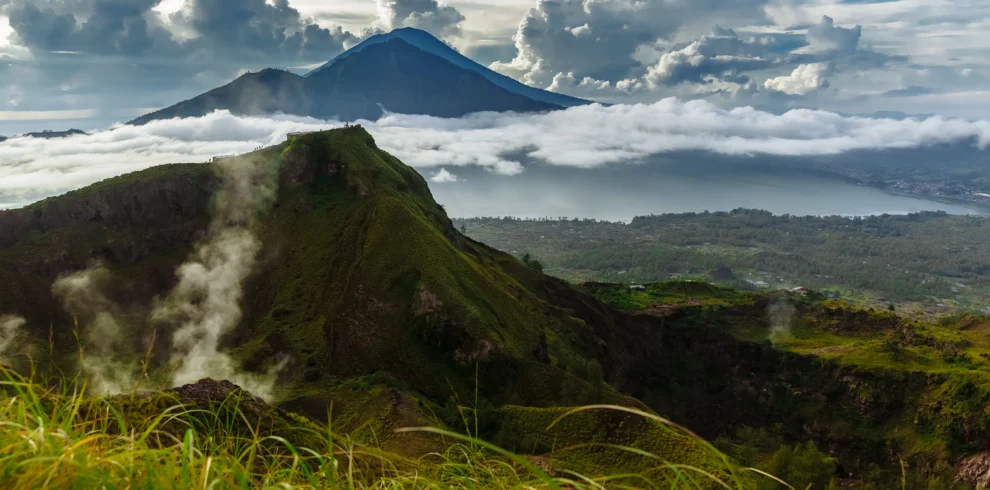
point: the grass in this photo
(64, 439)
(680, 292)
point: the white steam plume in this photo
(585, 136)
(781, 314)
(106, 357)
(206, 303)
(10, 326)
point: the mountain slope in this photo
(359, 271)
(403, 78)
(362, 286)
(270, 92)
(426, 42)
(407, 71)
(375, 306)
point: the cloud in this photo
(26, 174)
(257, 28)
(802, 81)
(585, 87)
(114, 27)
(911, 91)
(826, 36)
(440, 19)
(599, 38)
(828, 42)
(105, 55)
(443, 177)
(721, 55)
(723, 62)
(587, 136)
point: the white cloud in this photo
(826, 36)
(599, 38)
(587, 136)
(31, 168)
(5, 31)
(720, 56)
(443, 177)
(586, 87)
(438, 18)
(802, 81)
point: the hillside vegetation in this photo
(321, 276)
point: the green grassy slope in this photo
(388, 316)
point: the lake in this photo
(620, 192)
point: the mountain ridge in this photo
(423, 40)
(407, 71)
(46, 134)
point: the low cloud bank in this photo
(584, 137)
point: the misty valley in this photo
(410, 244)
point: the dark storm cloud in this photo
(256, 29)
(245, 29)
(118, 27)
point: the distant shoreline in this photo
(982, 209)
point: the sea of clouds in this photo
(584, 137)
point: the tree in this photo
(532, 263)
(802, 466)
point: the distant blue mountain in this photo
(426, 42)
(406, 71)
(47, 134)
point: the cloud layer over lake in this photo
(584, 137)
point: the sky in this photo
(90, 63)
